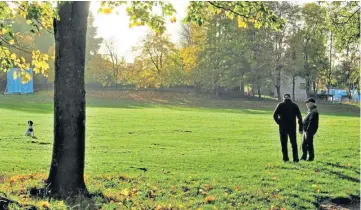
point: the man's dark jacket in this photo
(285, 116)
(310, 123)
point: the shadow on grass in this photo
(48, 108)
(43, 104)
(337, 165)
(350, 201)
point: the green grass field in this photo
(199, 152)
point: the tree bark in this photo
(293, 87)
(259, 93)
(308, 79)
(242, 88)
(329, 74)
(252, 89)
(278, 82)
(66, 177)
(278, 89)
(314, 87)
(308, 86)
(217, 90)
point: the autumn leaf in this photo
(11, 42)
(107, 11)
(258, 25)
(44, 204)
(4, 30)
(15, 75)
(241, 22)
(210, 199)
(125, 192)
(13, 56)
(208, 187)
(26, 78)
(173, 19)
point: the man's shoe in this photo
(310, 160)
(296, 161)
(303, 158)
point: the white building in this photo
(300, 88)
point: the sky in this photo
(116, 28)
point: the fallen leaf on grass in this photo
(210, 199)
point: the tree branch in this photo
(226, 9)
(151, 58)
(349, 18)
(14, 46)
(37, 21)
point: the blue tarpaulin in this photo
(355, 95)
(338, 94)
(15, 85)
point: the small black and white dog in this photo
(30, 130)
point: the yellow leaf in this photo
(15, 75)
(258, 25)
(4, 30)
(218, 11)
(28, 22)
(13, 56)
(125, 192)
(107, 10)
(45, 57)
(241, 22)
(11, 42)
(173, 19)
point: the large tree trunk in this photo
(67, 165)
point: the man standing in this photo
(285, 116)
(310, 126)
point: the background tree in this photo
(99, 70)
(313, 43)
(118, 63)
(290, 13)
(153, 59)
